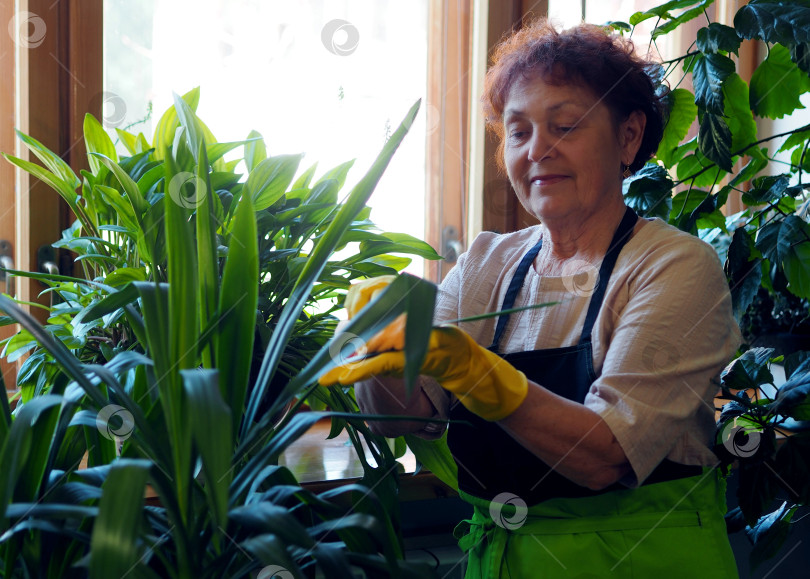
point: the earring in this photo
(627, 172)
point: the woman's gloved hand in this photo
(392, 337)
(364, 291)
(484, 382)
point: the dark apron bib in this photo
(490, 461)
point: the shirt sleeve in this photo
(673, 335)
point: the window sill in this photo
(320, 464)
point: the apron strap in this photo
(618, 242)
(620, 237)
(512, 292)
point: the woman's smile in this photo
(547, 180)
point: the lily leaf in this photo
(113, 547)
(270, 179)
(97, 140)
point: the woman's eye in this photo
(517, 134)
(565, 129)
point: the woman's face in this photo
(563, 150)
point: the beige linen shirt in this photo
(664, 331)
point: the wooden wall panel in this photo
(8, 229)
(448, 110)
(60, 56)
(502, 212)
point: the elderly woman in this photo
(582, 431)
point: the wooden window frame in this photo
(58, 74)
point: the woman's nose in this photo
(541, 146)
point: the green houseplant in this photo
(175, 352)
(766, 247)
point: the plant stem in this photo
(740, 151)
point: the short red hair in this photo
(587, 55)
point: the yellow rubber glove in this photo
(483, 382)
(364, 291)
(392, 337)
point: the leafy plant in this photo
(195, 327)
(761, 429)
(769, 241)
(766, 247)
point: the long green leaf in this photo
(17, 445)
(317, 261)
(52, 161)
(70, 365)
(96, 140)
(267, 454)
(189, 121)
(182, 266)
(435, 455)
(5, 413)
(255, 150)
(183, 331)
(213, 437)
(114, 549)
(168, 123)
(208, 286)
(134, 195)
(63, 188)
(269, 180)
(421, 298)
(238, 301)
(38, 458)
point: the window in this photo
(58, 52)
(329, 79)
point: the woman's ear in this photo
(631, 133)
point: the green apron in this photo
(669, 529)
(671, 526)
